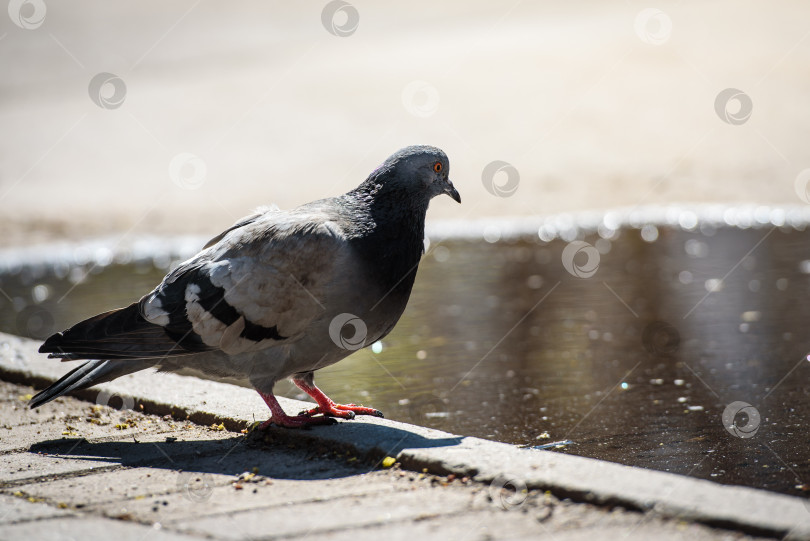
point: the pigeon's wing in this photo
(260, 285)
(260, 212)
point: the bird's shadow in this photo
(276, 453)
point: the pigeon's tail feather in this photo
(86, 375)
(121, 334)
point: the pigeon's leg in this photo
(278, 417)
(326, 405)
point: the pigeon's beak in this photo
(450, 190)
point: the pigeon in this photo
(280, 294)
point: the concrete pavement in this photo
(177, 466)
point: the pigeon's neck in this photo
(393, 238)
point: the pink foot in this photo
(327, 407)
(279, 418)
(344, 411)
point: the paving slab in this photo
(23, 467)
(16, 509)
(336, 513)
(195, 480)
(81, 528)
(198, 496)
(214, 484)
(556, 525)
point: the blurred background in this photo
(595, 104)
(662, 333)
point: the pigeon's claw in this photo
(327, 407)
(331, 410)
(344, 411)
(360, 410)
(279, 418)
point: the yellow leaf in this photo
(388, 462)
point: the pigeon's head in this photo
(421, 171)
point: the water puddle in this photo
(681, 349)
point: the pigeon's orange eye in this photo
(437, 167)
